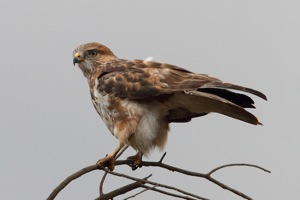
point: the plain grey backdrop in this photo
(49, 128)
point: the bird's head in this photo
(91, 56)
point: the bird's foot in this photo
(136, 161)
(108, 161)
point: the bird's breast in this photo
(103, 105)
(117, 113)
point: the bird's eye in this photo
(93, 53)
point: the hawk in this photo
(138, 99)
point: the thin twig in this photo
(162, 157)
(120, 191)
(172, 194)
(226, 187)
(237, 164)
(101, 183)
(123, 189)
(140, 192)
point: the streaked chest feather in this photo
(115, 111)
(138, 123)
(102, 105)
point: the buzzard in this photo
(138, 99)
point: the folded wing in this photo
(187, 94)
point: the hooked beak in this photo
(77, 58)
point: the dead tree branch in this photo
(122, 190)
(102, 183)
(70, 178)
(144, 182)
(144, 190)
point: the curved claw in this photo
(108, 161)
(136, 161)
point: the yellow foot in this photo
(136, 160)
(108, 161)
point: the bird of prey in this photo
(138, 99)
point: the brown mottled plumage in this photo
(138, 99)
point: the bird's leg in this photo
(109, 160)
(137, 160)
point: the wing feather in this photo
(132, 79)
(190, 95)
(140, 79)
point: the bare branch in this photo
(70, 178)
(226, 187)
(207, 176)
(142, 182)
(123, 189)
(101, 183)
(163, 156)
(162, 165)
(120, 191)
(153, 183)
(172, 194)
(237, 164)
(144, 190)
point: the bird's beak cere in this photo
(77, 58)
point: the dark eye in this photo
(93, 53)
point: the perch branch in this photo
(142, 182)
(70, 178)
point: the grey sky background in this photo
(49, 128)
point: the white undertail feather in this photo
(150, 128)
